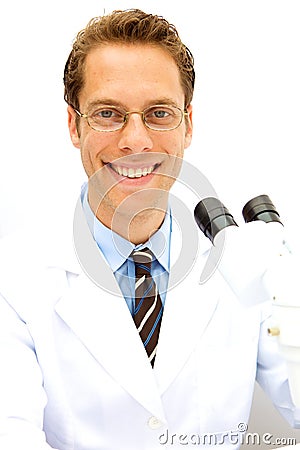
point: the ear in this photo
(72, 127)
(189, 127)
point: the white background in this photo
(246, 104)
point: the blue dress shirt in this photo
(116, 250)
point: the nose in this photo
(135, 136)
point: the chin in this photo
(143, 201)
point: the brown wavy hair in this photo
(129, 26)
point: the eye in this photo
(105, 113)
(160, 113)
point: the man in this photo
(76, 371)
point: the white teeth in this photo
(133, 173)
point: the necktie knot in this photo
(143, 261)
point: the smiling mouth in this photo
(131, 172)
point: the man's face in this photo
(130, 77)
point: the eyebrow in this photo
(104, 101)
(112, 102)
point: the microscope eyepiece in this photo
(260, 208)
(212, 216)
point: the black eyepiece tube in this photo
(212, 216)
(260, 208)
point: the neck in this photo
(142, 226)
(134, 224)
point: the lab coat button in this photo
(154, 423)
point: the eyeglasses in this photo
(157, 117)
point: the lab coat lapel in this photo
(102, 321)
(188, 310)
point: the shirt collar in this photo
(117, 249)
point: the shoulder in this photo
(34, 263)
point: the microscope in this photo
(257, 264)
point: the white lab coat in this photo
(74, 374)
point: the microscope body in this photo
(281, 280)
(257, 264)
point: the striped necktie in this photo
(148, 306)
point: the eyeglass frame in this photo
(126, 115)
